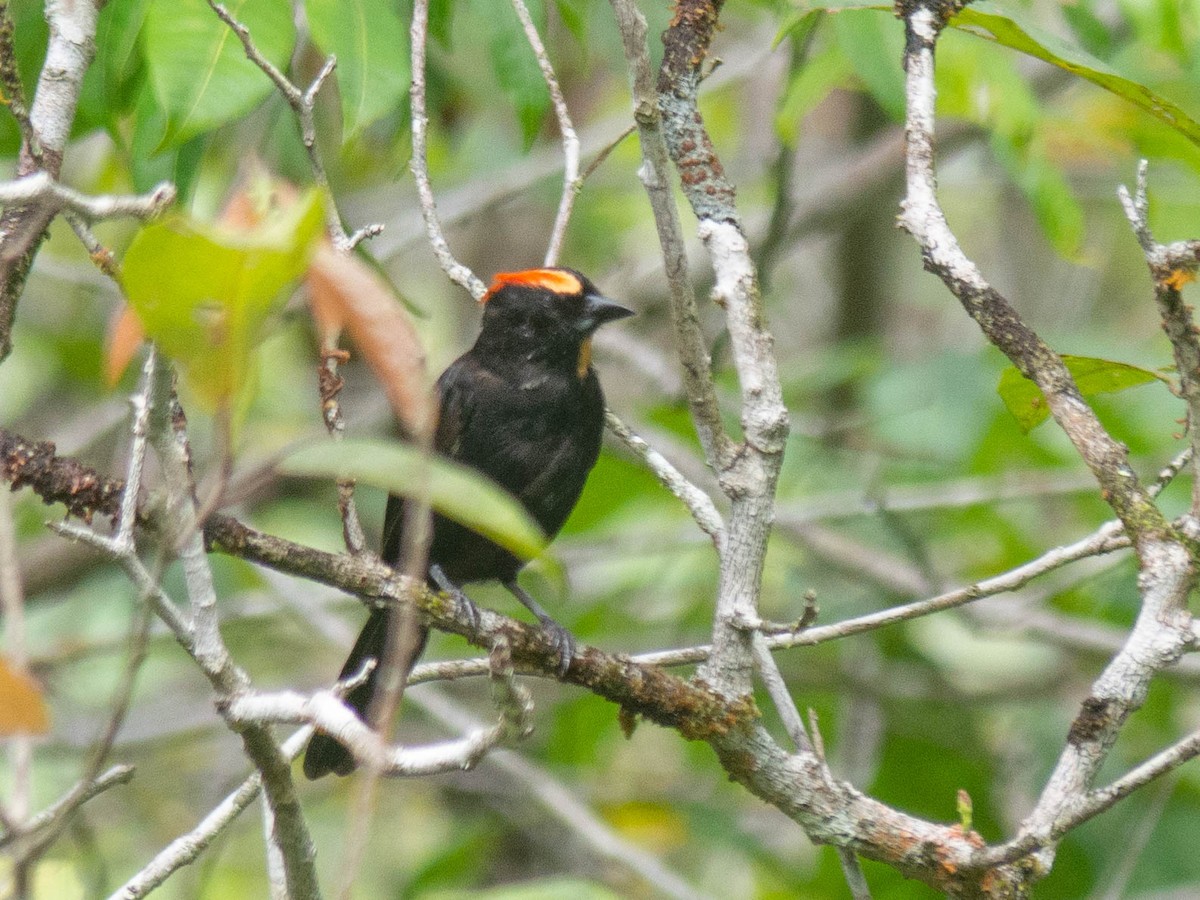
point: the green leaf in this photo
(199, 71)
(110, 85)
(117, 54)
(516, 67)
(455, 491)
(1026, 402)
(573, 14)
(371, 45)
(147, 165)
(441, 21)
(1088, 28)
(797, 24)
(874, 46)
(204, 293)
(1045, 187)
(808, 87)
(1010, 25)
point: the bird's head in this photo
(547, 314)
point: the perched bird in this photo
(523, 407)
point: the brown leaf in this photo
(121, 344)
(22, 709)
(256, 195)
(347, 293)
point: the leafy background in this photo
(905, 473)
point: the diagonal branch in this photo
(456, 271)
(44, 141)
(698, 503)
(1164, 627)
(921, 215)
(690, 341)
(1170, 267)
(749, 477)
(570, 141)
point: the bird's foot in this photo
(463, 603)
(562, 640)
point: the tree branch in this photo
(456, 271)
(22, 227)
(690, 341)
(698, 503)
(1170, 267)
(1164, 627)
(921, 215)
(570, 141)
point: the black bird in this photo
(524, 407)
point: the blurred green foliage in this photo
(905, 473)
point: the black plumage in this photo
(524, 407)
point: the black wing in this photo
(455, 408)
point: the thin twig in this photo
(655, 174)
(563, 803)
(851, 867)
(605, 151)
(1092, 804)
(570, 141)
(1170, 271)
(186, 848)
(329, 386)
(698, 503)
(41, 187)
(456, 271)
(303, 104)
(98, 785)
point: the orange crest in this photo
(556, 281)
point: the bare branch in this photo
(72, 800)
(456, 271)
(1170, 269)
(698, 503)
(1164, 628)
(922, 216)
(570, 141)
(69, 53)
(690, 341)
(1093, 803)
(186, 848)
(208, 649)
(333, 717)
(42, 188)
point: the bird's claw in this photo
(463, 604)
(469, 610)
(562, 641)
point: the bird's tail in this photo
(325, 754)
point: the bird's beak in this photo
(598, 310)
